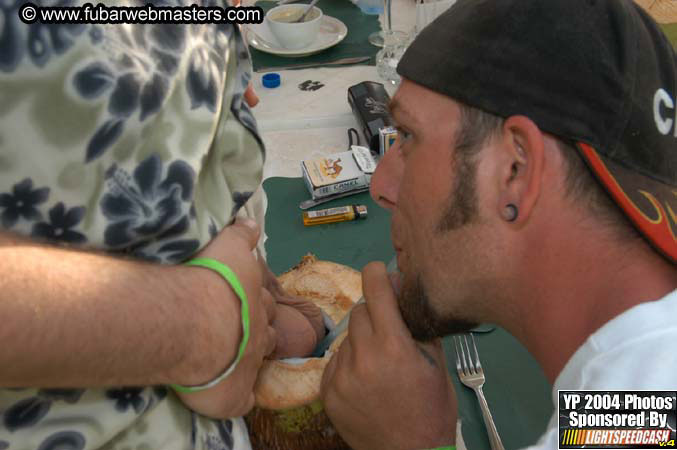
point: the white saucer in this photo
(332, 31)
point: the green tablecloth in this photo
(360, 26)
(516, 389)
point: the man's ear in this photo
(521, 170)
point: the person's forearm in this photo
(72, 318)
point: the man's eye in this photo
(403, 135)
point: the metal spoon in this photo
(305, 13)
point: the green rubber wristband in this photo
(234, 283)
(447, 447)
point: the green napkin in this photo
(356, 43)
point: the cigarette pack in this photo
(339, 172)
(387, 137)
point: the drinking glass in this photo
(427, 11)
(377, 38)
(389, 56)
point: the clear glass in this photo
(395, 43)
(377, 38)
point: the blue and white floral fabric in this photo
(136, 140)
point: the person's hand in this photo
(298, 322)
(296, 337)
(234, 396)
(382, 389)
(250, 96)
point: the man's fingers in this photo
(328, 375)
(272, 340)
(381, 300)
(268, 303)
(250, 96)
(247, 229)
(310, 311)
(340, 358)
(359, 327)
(249, 405)
(241, 409)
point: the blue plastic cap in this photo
(271, 80)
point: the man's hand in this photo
(250, 96)
(234, 396)
(382, 389)
(298, 323)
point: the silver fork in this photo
(472, 375)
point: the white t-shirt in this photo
(634, 351)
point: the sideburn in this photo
(475, 128)
(462, 205)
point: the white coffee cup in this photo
(291, 35)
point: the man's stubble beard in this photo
(423, 322)
(415, 306)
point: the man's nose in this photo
(385, 183)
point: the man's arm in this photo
(74, 318)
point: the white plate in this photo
(332, 31)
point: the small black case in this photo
(369, 102)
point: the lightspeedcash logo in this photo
(617, 419)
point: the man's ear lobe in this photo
(521, 185)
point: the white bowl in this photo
(294, 36)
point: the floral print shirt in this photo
(135, 140)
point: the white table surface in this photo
(297, 125)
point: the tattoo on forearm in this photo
(428, 357)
